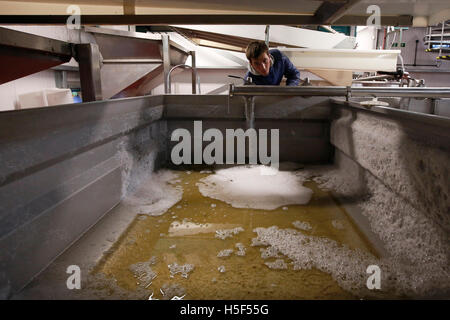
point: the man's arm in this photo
(290, 72)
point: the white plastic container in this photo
(58, 96)
(32, 100)
(44, 98)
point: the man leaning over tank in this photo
(267, 67)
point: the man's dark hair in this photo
(255, 49)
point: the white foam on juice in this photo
(143, 271)
(349, 266)
(225, 253)
(246, 187)
(184, 269)
(157, 194)
(277, 264)
(302, 225)
(241, 249)
(228, 233)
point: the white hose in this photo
(393, 40)
(401, 60)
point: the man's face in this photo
(261, 64)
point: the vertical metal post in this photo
(376, 37)
(442, 37)
(267, 38)
(166, 62)
(429, 38)
(250, 111)
(61, 79)
(352, 31)
(88, 57)
(194, 73)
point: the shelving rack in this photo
(438, 39)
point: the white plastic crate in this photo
(44, 98)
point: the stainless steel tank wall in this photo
(303, 123)
(400, 161)
(439, 107)
(62, 169)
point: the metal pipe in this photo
(134, 61)
(415, 53)
(339, 91)
(286, 91)
(250, 112)
(385, 84)
(401, 92)
(194, 73)
(380, 77)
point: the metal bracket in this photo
(349, 94)
(89, 59)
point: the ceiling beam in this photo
(396, 21)
(206, 19)
(330, 11)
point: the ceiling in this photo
(286, 12)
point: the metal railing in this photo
(195, 78)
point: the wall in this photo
(395, 167)
(303, 123)
(435, 73)
(61, 174)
